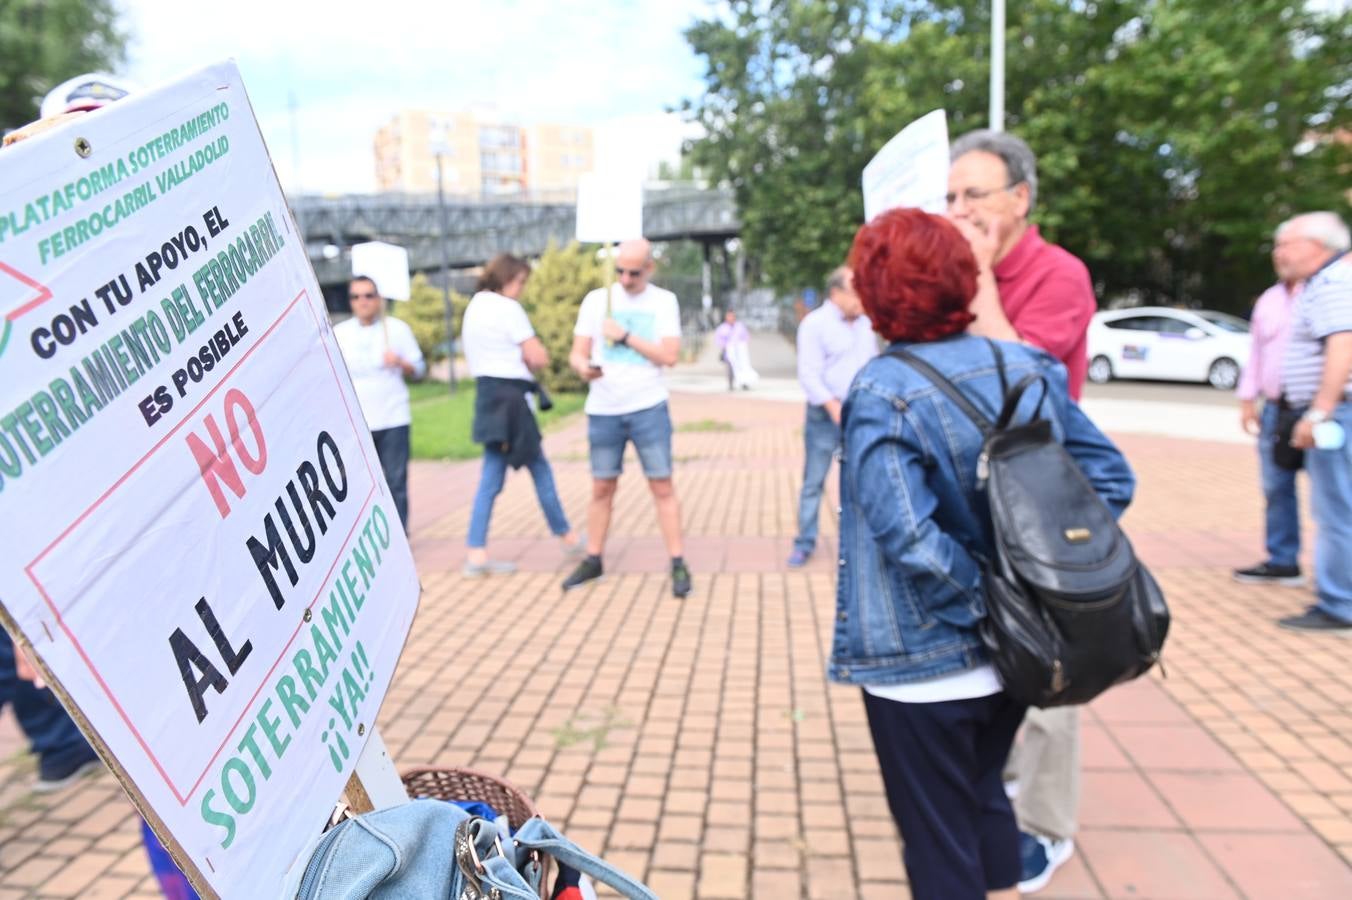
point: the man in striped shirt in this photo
(1317, 375)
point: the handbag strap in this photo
(537, 834)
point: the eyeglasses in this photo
(370, 295)
(632, 273)
(975, 195)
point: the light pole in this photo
(997, 65)
(446, 272)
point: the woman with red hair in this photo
(914, 530)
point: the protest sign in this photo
(386, 265)
(609, 210)
(199, 545)
(911, 169)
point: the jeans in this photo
(55, 739)
(821, 439)
(649, 430)
(1279, 492)
(491, 479)
(392, 448)
(1331, 490)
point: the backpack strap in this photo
(1015, 396)
(999, 366)
(947, 388)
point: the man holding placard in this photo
(1035, 292)
(381, 352)
(626, 334)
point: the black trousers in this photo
(941, 765)
(392, 447)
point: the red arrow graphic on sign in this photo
(29, 295)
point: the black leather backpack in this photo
(1070, 611)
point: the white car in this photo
(1156, 342)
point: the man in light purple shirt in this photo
(835, 341)
(1262, 379)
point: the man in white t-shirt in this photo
(621, 343)
(381, 352)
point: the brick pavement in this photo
(698, 744)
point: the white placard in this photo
(911, 169)
(386, 265)
(199, 543)
(609, 210)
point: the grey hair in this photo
(1327, 228)
(1013, 152)
(839, 279)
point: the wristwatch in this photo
(1315, 415)
(624, 341)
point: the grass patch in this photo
(442, 422)
(706, 425)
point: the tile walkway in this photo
(698, 744)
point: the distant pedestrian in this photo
(1031, 291)
(381, 352)
(504, 353)
(914, 527)
(623, 339)
(734, 349)
(835, 341)
(1270, 330)
(1317, 376)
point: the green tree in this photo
(45, 42)
(425, 313)
(1172, 135)
(558, 282)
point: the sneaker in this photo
(492, 567)
(578, 549)
(798, 558)
(1041, 858)
(680, 580)
(1267, 573)
(1315, 619)
(587, 570)
(55, 778)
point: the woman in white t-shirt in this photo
(503, 353)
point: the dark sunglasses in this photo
(632, 273)
(366, 296)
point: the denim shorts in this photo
(650, 431)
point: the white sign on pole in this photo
(386, 265)
(609, 210)
(199, 544)
(911, 169)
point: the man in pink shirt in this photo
(1270, 327)
(1028, 290)
(1040, 294)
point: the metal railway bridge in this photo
(476, 230)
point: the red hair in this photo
(915, 274)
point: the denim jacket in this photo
(914, 527)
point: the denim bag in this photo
(432, 849)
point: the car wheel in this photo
(1223, 374)
(1100, 370)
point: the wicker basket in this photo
(469, 785)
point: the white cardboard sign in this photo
(911, 169)
(386, 265)
(609, 210)
(199, 543)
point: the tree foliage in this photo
(425, 313)
(45, 42)
(1172, 135)
(558, 282)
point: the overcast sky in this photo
(531, 60)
